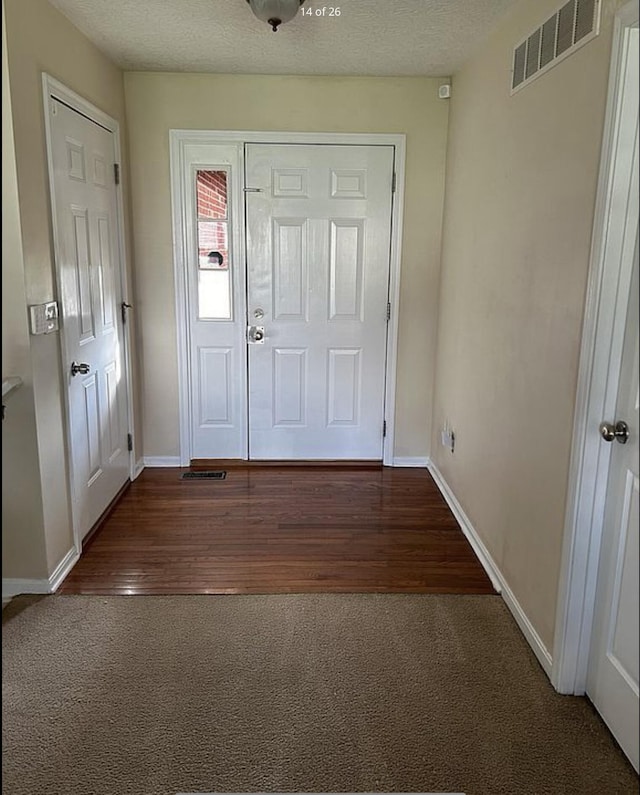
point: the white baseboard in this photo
(411, 461)
(138, 468)
(63, 568)
(174, 461)
(528, 630)
(495, 575)
(467, 528)
(161, 461)
(14, 586)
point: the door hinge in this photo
(116, 172)
(384, 429)
(388, 311)
(393, 183)
(129, 442)
(123, 311)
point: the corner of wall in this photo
(23, 544)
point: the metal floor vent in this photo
(204, 475)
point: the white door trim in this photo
(600, 359)
(54, 88)
(179, 141)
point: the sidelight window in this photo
(214, 280)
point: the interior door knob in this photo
(81, 368)
(619, 431)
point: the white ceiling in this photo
(370, 37)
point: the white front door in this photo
(612, 682)
(318, 238)
(287, 345)
(85, 221)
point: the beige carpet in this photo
(312, 693)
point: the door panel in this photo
(289, 387)
(290, 270)
(625, 637)
(91, 417)
(318, 237)
(612, 682)
(217, 328)
(345, 377)
(85, 213)
(215, 377)
(345, 269)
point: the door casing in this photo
(52, 88)
(188, 147)
(600, 360)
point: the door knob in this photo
(619, 431)
(256, 334)
(81, 368)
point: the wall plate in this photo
(44, 318)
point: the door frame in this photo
(600, 360)
(180, 141)
(52, 88)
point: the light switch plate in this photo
(44, 318)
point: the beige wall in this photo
(159, 102)
(23, 547)
(520, 194)
(40, 39)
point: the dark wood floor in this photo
(280, 530)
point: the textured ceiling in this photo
(370, 37)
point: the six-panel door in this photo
(318, 237)
(85, 217)
(614, 676)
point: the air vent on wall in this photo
(573, 25)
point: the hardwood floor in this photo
(280, 530)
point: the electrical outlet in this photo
(447, 436)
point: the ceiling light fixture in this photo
(275, 12)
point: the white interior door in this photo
(612, 682)
(85, 220)
(318, 238)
